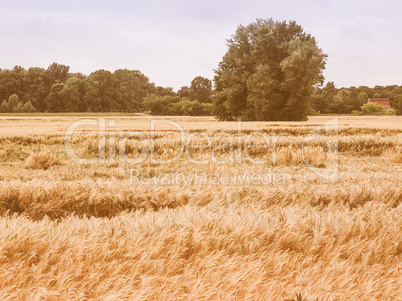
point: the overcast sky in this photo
(173, 41)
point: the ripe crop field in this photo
(126, 208)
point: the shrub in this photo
(15, 105)
(28, 107)
(173, 105)
(390, 112)
(160, 105)
(372, 108)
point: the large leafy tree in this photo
(58, 73)
(134, 87)
(268, 73)
(54, 101)
(323, 99)
(163, 91)
(12, 82)
(184, 92)
(68, 97)
(201, 90)
(104, 92)
(75, 90)
(37, 85)
(398, 104)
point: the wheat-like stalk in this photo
(85, 232)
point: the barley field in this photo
(137, 208)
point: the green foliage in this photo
(191, 108)
(184, 92)
(400, 107)
(390, 112)
(4, 106)
(257, 79)
(66, 97)
(12, 82)
(174, 105)
(15, 105)
(28, 108)
(207, 109)
(54, 101)
(38, 83)
(134, 87)
(362, 99)
(58, 73)
(162, 91)
(56, 90)
(183, 107)
(372, 108)
(323, 99)
(260, 78)
(201, 90)
(74, 93)
(160, 105)
(398, 104)
(103, 93)
(351, 99)
(348, 100)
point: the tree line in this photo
(272, 70)
(55, 89)
(332, 100)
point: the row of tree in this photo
(194, 100)
(55, 89)
(271, 71)
(330, 100)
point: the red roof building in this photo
(385, 102)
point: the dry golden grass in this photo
(221, 252)
(84, 232)
(41, 161)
